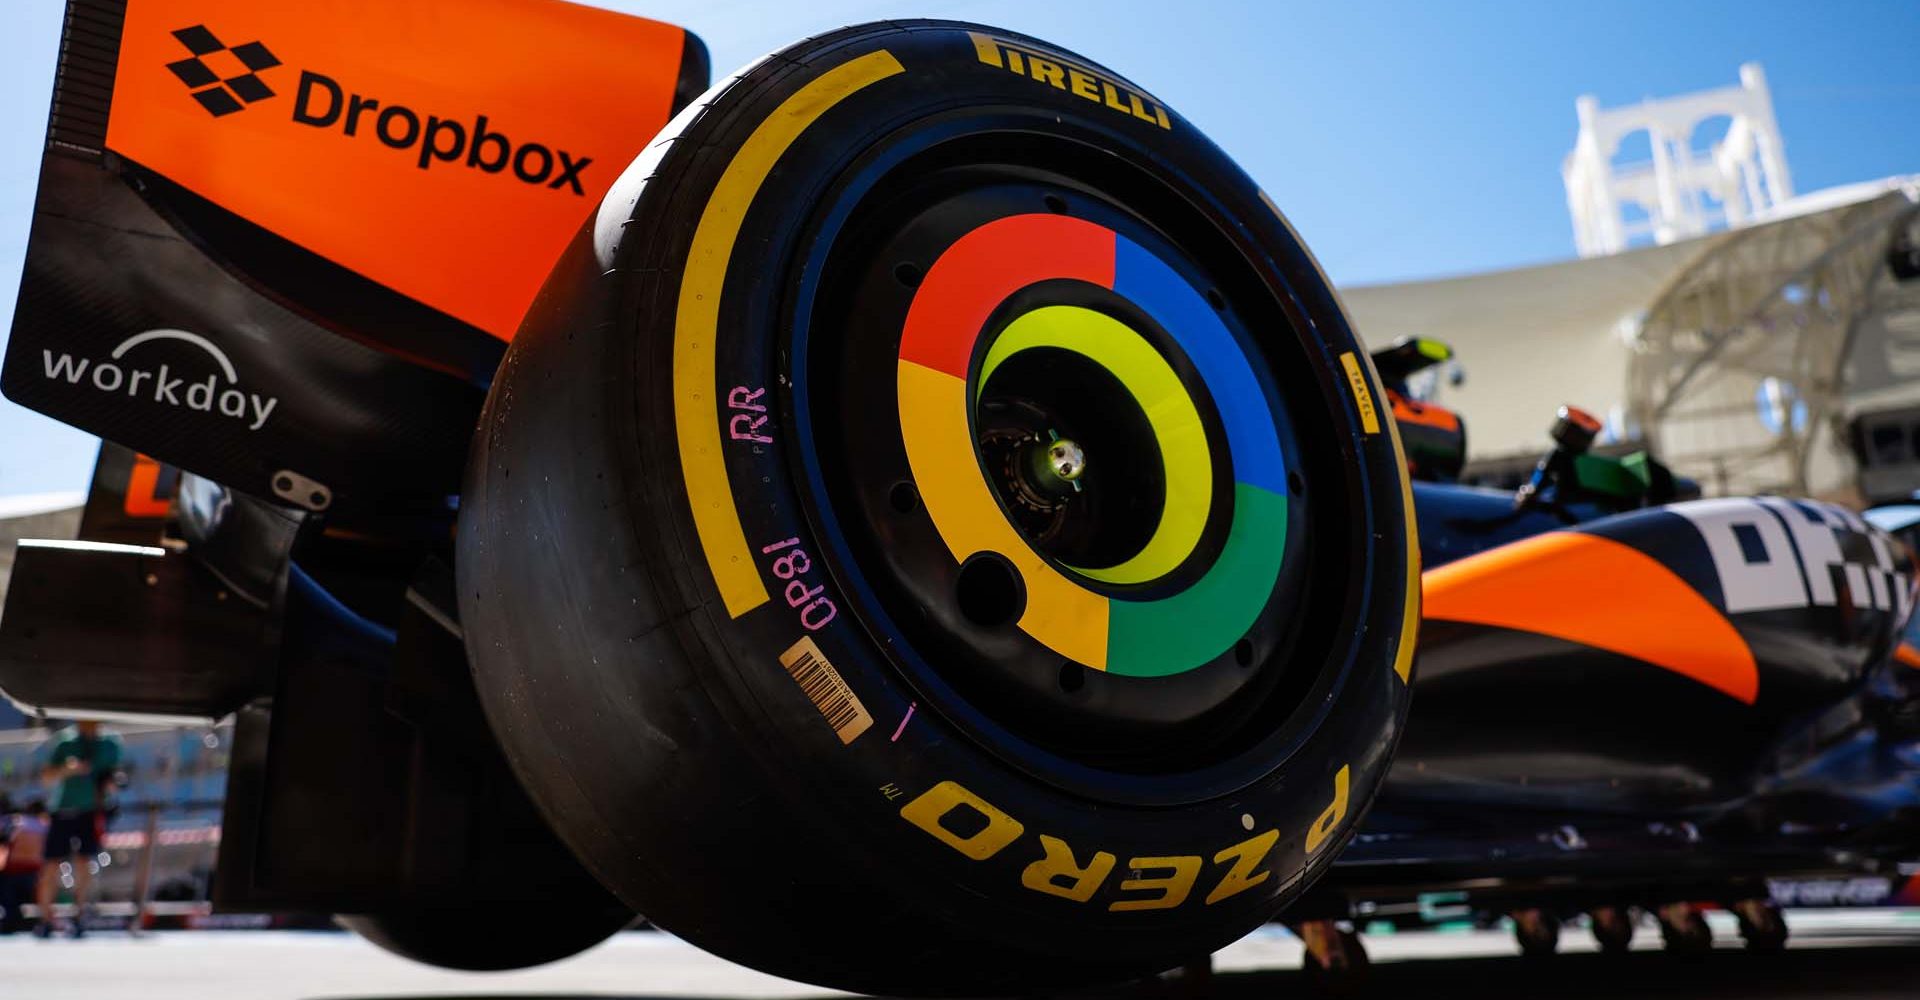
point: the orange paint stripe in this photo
(140, 500)
(1600, 593)
(1426, 414)
(1907, 654)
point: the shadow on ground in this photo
(1858, 973)
(1865, 971)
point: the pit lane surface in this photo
(1843, 954)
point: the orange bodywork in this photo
(472, 242)
(143, 485)
(1599, 593)
(1425, 414)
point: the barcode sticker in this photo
(823, 686)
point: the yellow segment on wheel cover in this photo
(1186, 463)
(1066, 616)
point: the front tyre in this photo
(935, 532)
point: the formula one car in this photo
(930, 526)
(1633, 698)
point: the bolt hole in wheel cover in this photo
(955, 299)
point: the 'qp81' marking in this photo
(791, 565)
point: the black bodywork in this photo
(1538, 768)
(296, 576)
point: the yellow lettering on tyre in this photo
(1174, 886)
(1246, 856)
(1362, 396)
(971, 825)
(1046, 874)
(1061, 72)
(1329, 820)
(930, 807)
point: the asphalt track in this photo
(1847, 954)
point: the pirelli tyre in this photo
(936, 532)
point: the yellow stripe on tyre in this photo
(696, 409)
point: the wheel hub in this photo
(1083, 510)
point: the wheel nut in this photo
(1065, 460)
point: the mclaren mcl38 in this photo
(1631, 698)
(911, 517)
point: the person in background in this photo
(23, 843)
(79, 768)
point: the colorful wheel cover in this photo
(1102, 629)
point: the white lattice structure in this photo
(1736, 329)
(1684, 192)
(1739, 356)
(1748, 364)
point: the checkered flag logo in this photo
(224, 80)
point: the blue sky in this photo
(1405, 139)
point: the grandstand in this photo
(1737, 328)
